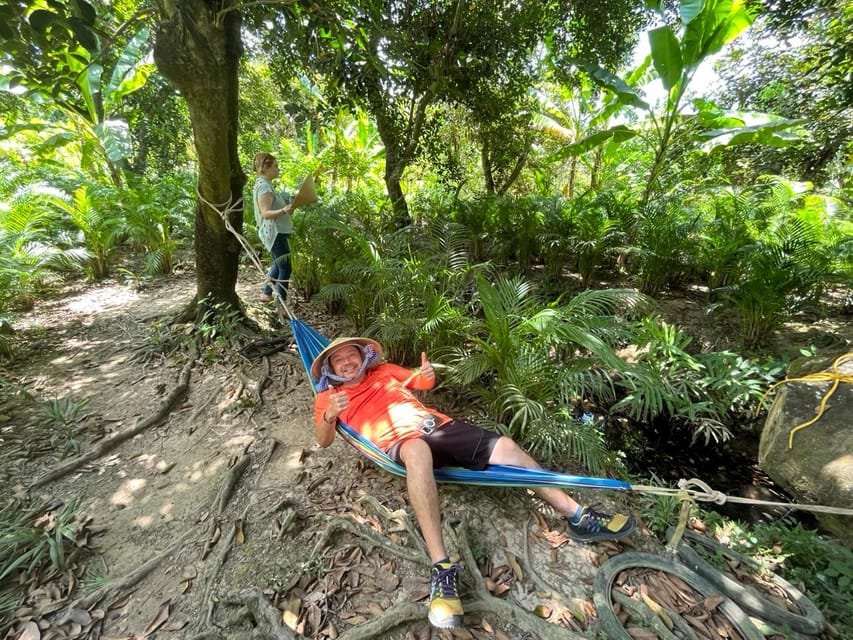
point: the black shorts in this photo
(456, 444)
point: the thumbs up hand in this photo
(427, 370)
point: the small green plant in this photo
(162, 339)
(804, 557)
(63, 416)
(31, 541)
(93, 580)
(659, 511)
(218, 322)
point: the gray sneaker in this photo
(594, 525)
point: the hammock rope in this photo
(310, 343)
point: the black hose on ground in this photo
(810, 620)
(608, 572)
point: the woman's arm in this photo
(265, 201)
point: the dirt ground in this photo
(221, 518)
(225, 515)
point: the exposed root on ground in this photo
(336, 524)
(116, 587)
(404, 613)
(484, 603)
(265, 618)
(111, 442)
(213, 568)
(226, 487)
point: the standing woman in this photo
(275, 224)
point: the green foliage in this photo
(804, 557)
(62, 416)
(665, 243)
(216, 327)
(724, 234)
(23, 252)
(31, 542)
(599, 235)
(707, 393)
(99, 223)
(659, 511)
(795, 252)
(561, 440)
(84, 107)
(157, 219)
(527, 361)
(420, 310)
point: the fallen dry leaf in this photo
(239, 536)
(712, 602)
(516, 567)
(542, 610)
(30, 632)
(159, 619)
(641, 634)
(290, 613)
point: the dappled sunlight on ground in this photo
(127, 492)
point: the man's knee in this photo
(415, 452)
(507, 451)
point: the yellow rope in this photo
(687, 503)
(834, 375)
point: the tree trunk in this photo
(486, 163)
(198, 49)
(394, 167)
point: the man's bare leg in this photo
(507, 452)
(423, 494)
(585, 525)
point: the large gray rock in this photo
(818, 468)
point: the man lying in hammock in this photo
(374, 398)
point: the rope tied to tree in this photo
(224, 210)
(834, 375)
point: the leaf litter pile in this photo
(754, 576)
(663, 594)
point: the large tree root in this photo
(114, 587)
(215, 567)
(481, 601)
(267, 619)
(484, 603)
(226, 488)
(334, 525)
(399, 614)
(110, 443)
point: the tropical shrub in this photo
(98, 227)
(528, 363)
(706, 393)
(158, 218)
(664, 241)
(23, 221)
(599, 233)
(796, 250)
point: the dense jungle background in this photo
(612, 225)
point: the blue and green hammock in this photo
(311, 343)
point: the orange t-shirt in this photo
(381, 407)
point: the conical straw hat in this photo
(307, 194)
